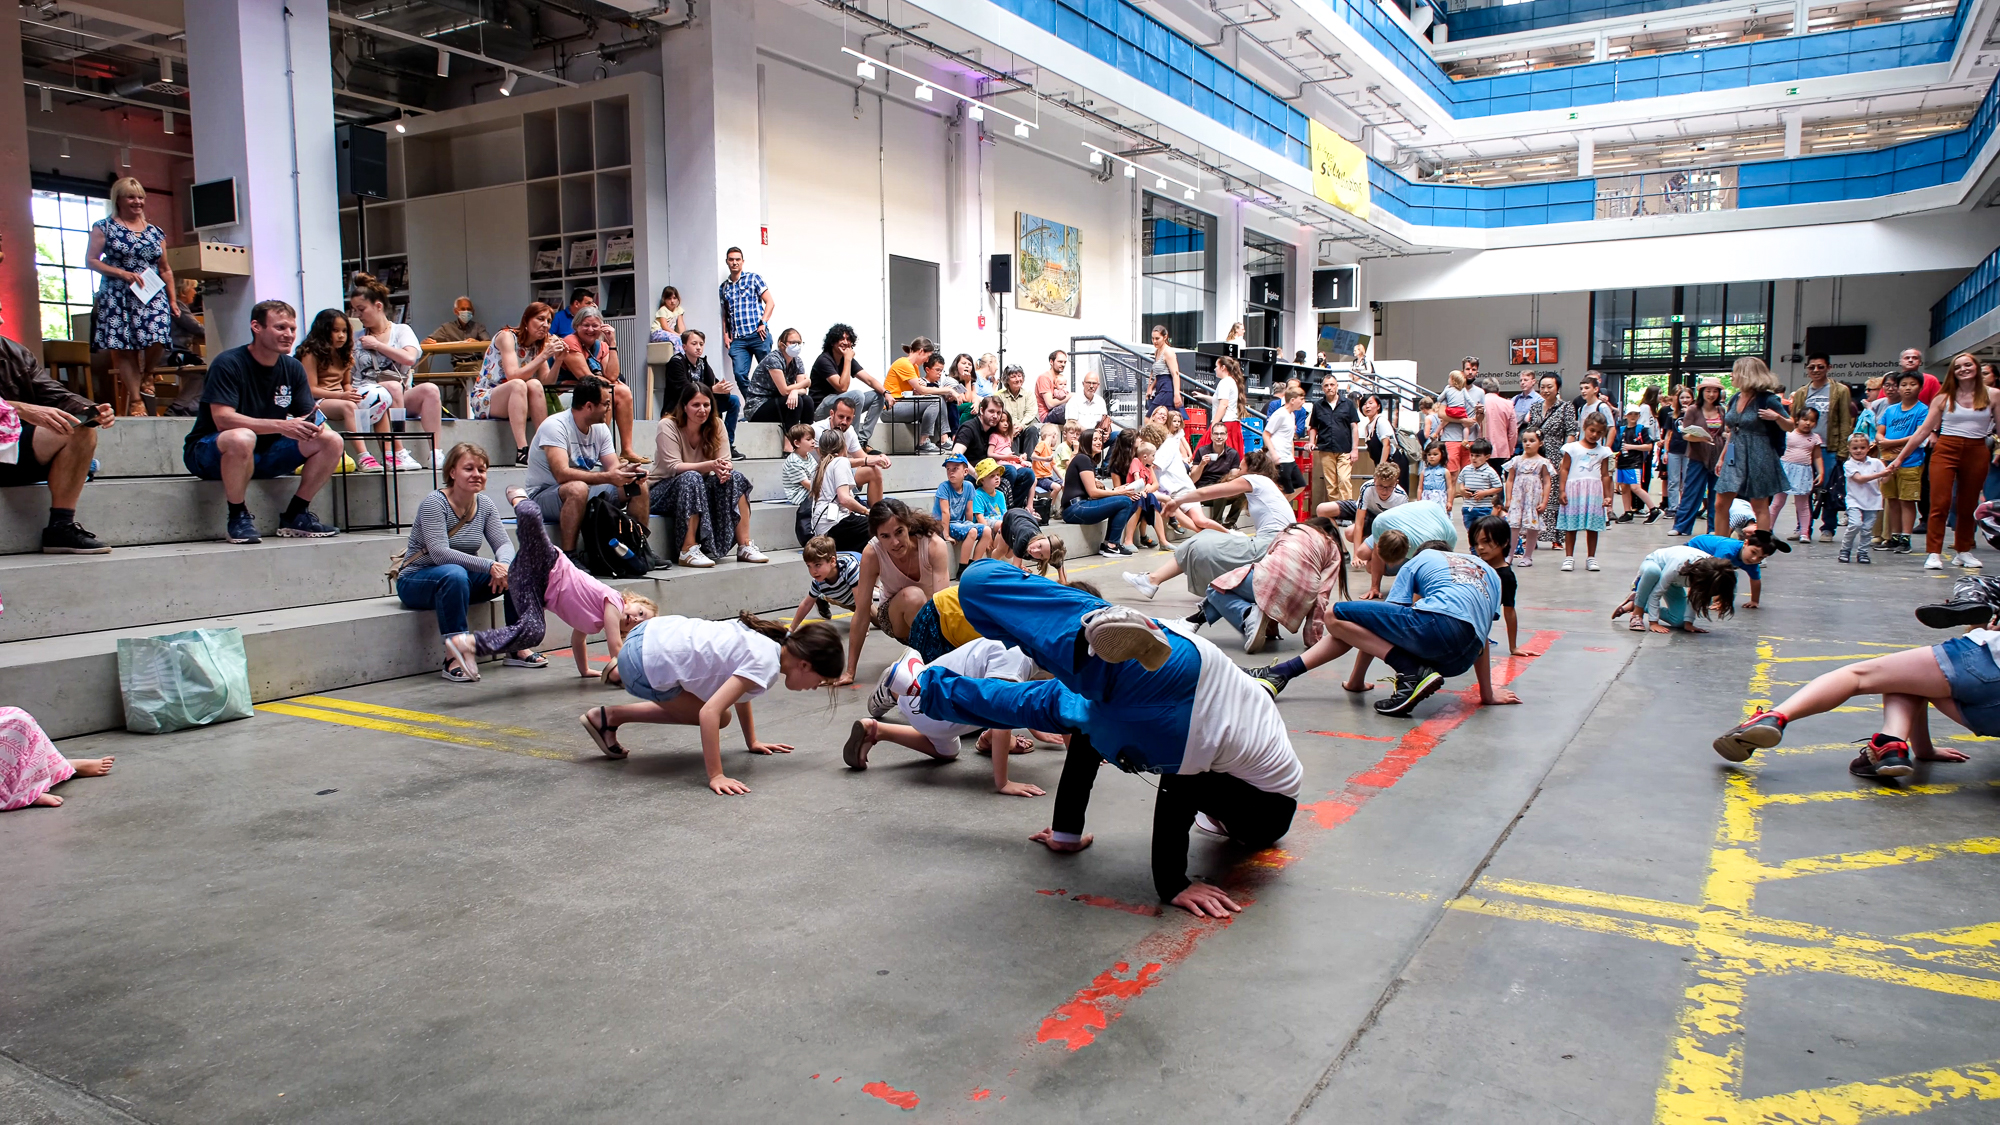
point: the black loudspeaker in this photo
(362, 157)
(1000, 274)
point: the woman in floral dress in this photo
(123, 246)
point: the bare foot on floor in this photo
(1363, 686)
(49, 799)
(92, 767)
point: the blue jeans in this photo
(1115, 511)
(1975, 682)
(274, 459)
(746, 352)
(632, 669)
(448, 589)
(1676, 470)
(1473, 515)
(1021, 485)
(1697, 497)
(1835, 489)
(732, 411)
(1231, 605)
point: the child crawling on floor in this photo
(981, 658)
(541, 579)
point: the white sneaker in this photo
(693, 557)
(1569, 564)
(437, 458)
(1966, 560)
(1119, 633)
(1205, 823)
(1590, 563)
(749, 553)
(1143, 584)
(1934, 562)
(1254, 633)
(407, 463)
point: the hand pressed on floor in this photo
(1205, 900)
(727, 786)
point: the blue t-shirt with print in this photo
(1727, 547)
(953, 506)
(1900, 423)
(989, 505)
(1460, 586)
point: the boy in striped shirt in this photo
(1477, 483)
(833, 576)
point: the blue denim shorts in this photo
(1439, 640)
(961, 529)
(278, 459)
(1975, 682)
(632, 670)
(927, 634)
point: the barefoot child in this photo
(1674, 580)
(982, 659)
(690, 672)
(540, 579)
(30, 765)
(834, 573)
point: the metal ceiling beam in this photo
(419, 41)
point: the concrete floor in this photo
(1482, 915)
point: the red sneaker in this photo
(1761, 731)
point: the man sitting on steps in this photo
(257, 419)
(573, 460)
(55, 446)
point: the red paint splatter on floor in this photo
(1149, 910)
(1076, 1022)
(1556, 609)
(980, 1095)
(836, 1080)
(1057, 891)
(901, 1099)
(1348, 734)
(815, 1076)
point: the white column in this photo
(1600, 50)
(1801, 13)
(713, 189)
(1229, 284)
(1794, 133)
(1586, 154)
(19, 302)
(269, 126)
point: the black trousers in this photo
(1254, 818)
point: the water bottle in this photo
(621, 550)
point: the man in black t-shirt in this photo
(257, 419)
(838, 375)
(1331, 425)
(1213, 464)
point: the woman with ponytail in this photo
(690, 672)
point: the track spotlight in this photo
(167, 69)
(399, 122)
(64, 150)
(976, 112)
(167, 121)
(1131, 173)
(444, 63)
(865, 70)
(923, 93)
(1096, 158)
(507, 84)
(124, 158)
(1160, 184)
(1021, 130)
(48, 101)
(1190, 193)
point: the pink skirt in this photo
(29, 764)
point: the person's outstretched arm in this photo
(1001, 742)
(805, 603)
(1488, 694)
(711, 736)
(579, 643)
(1173, 815)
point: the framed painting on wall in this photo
(1049, 266)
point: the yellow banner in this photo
(1340, 171)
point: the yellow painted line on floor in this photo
(1846, 862)
(1821, 659)
(412, 730)
(1986, 934)
(377, 709)
(1880, 792)
(1901, 1096)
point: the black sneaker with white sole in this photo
(71, 539)
(1410, 691)
(1954, 614)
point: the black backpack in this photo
(610, 543)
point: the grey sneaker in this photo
(1119, 633)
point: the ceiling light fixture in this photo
(167, 121)
(1190, 194)
(399, 122)
(1160, 179)
(444, 63)
(124, 158)
(507, 84)
(64, 150)
(48, 101)
(865, 68)
(167, 69)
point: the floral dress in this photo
(1558, 427)
(1752, 467)
(491, 374)
(1533, 477)
(119, 323)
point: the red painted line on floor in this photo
(1075, 1023)
(1347, 734)
(1150, 910)
(1596, 649)
(902, 1099)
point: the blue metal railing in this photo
(1972, 298)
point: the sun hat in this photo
(986, 467)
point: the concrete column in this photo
(713, 192)
(1229, 284)
(1801, 12)
(260, 83)
(1586, 154)
(19, 302)
(1795, 132)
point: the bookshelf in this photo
(524, 199)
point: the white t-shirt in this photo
(827, 510)
(1280, 434)
(1236, 728)
(587, 452)
(1225, 399)
(1171, 468)
(1085, 412)
(701, 656)
(1585, 459)
(853, 439)
(1863, 497)
(1669, 560)
(1266, 501)
(984, 659)
(371, 366)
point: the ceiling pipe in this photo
(340, 20)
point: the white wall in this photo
(1107, 216)
(1438, 334)
(1895, 307)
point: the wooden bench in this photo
(454, 379)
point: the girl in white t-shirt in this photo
(1584, 472)
(983, 659)
(1209, 554)
(690, 672)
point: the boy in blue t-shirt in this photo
(952, 505)
(988, 505)
(1904, 487)
(1746, 554)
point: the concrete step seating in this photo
(316, 615)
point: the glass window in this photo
(1178, 261)
(62, 234)
(1680, 331)
(1266, 270)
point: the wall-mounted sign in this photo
(1532, 351)
(1340, 171)
(1334, 289)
